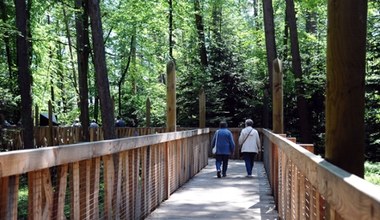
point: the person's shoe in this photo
(218, 174)
(224, 175)
(249, 176)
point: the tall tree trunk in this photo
(171, 43)
(303, 112)
(270, 43)
(83, 51)
(346, 52)
(24, 76)
(101, 70)
(201, 34)
(4, 17)
(124, 73)
(74, 78)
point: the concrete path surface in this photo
(233, 197)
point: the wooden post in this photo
(346, 52)
(50, 138)
(171, 97)
(36, 115)
(278, 110)
(147, 112)
(202, 108)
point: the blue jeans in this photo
(249, 159)
(219, 160)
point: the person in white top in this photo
(249, 140)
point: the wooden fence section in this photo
(11, 139)
(306, 186)
(114, 179)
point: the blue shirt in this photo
(225, 144)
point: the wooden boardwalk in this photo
(233, 197)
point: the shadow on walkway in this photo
(233, 197)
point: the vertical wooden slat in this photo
(167, 170)
(47, 195)
(60, 192)
(109, 178)
(295, 192)
(35, 196)
(124, 185)
(95, 187)
(9, 197)
(308, 198)
(75, 191)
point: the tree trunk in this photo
(303, 112)
(270, 43)
(3, 11)
(74, 78)
(346, 52)
(201, 34)
(83, 51)
(171, 43)
(24, 76)
(124, 73)
(106, 106)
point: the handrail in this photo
(308, 187)
(114, 179)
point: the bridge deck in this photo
(231, 197)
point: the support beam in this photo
(278, 109)
(202, 108)
(171, 97)
(148, 106)
(346, 51)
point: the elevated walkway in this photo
(233, 197)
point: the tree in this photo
(24, 75)
(303, 112)
(83, 51)
(346, 52)
(201, 34)
(101, 70)
(270, 43)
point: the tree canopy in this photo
(217, 45)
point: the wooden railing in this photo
(114, 179)
(306, 186)
(44, 136)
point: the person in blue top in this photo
(225, 146)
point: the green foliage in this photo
(372, 172)
(234, 80)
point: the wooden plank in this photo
(277, 96)
(95, 187)
(124, 185)
(117, 184)
(47, 212)
(35, 196)
(17, 162)
(171, 110)
(75, 191)
(61, 192)
(341, 189)
(202, 108)
(9, 197)
(302, 191)
(143, 179)
(109, 179)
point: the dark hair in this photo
(223, 124)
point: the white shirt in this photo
(252, 143)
